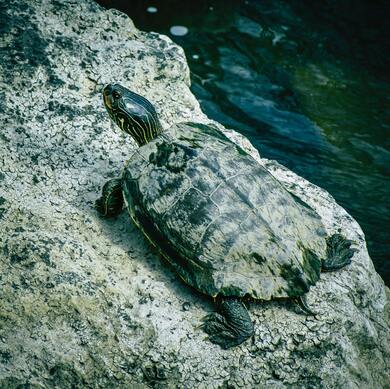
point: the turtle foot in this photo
(231, 326)
(338, 253)
(111, 202)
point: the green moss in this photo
(241, 151)
(296, 280)
(311, 264)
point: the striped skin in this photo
(111, 202)
(132, 113)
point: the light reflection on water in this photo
(307, 84)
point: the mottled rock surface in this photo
(84, 302)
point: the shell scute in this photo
(192, 214)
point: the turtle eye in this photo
(116, 95)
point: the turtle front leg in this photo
(111, 202)
(231, 325)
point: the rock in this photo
(84, 301)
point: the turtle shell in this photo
(224, 222)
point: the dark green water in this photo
(307, 83)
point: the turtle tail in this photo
(338, 253)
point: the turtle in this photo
(224, 223)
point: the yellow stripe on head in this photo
(133, 113)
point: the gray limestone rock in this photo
(84, 301)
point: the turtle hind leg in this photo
(111, 202)
(230, 326)
(338, 253)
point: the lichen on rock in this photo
(84, 301)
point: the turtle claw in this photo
(205, 318)
(304, 306)
(212, 316)
(201, 325)
(212, 323)
(203, 321)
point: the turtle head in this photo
(132, 113)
